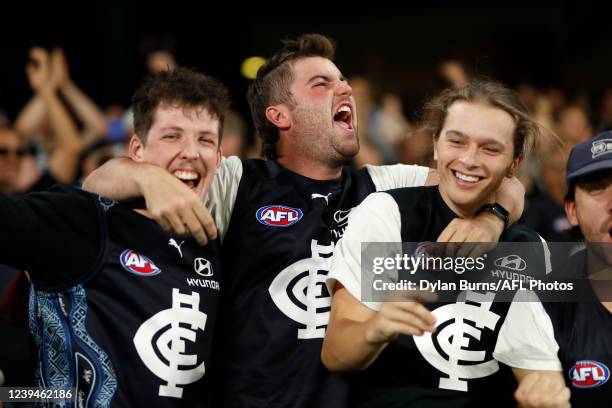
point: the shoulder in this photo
(397, 175)
(521, 233)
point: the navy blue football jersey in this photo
(119, 309)
(583, 332)
(454, 366)
(276, 256)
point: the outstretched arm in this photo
(356, 335)
(170, 202)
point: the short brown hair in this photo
(182, 87)
(273, 82)
(494, 94)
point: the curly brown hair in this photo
(180, 87)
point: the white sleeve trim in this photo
(526, 339)
(376, 219)
(397, 176)
(221, 196)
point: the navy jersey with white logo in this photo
(276, 256)
(583, 332)
(119, 310)
(452, 367)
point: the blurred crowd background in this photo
(67, 73)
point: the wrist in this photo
(143, 175)
(496, 213)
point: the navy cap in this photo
(590, 156)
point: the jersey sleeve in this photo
(397, 176)
(526, 339)
(54, 235)
(376, 219)
(221, 196)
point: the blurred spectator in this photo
(234, 135)
(416, 148)
(388, 127)
(453, 72)
(62, 140)
(544, 208)
(362, 92)
(12, 151)
(573, 125)
(605, 114)
(159, 60)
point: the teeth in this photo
(344, 108)
(465, 177)
(186, 175)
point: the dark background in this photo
(546, 44)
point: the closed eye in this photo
(491, 150)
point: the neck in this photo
(312, 169)
(463, 211)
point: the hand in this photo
(60, 76)
(401, 317)
(38, 70)
(484, 228)
(175, 207)
(537, 390)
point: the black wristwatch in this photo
(497, 210)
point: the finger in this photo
(194, 227)
(405, 328)
(176, 223)
(419, 311)
(464, 249)
(420, 296)
(164, 224)
(447, 233)
(206, 220)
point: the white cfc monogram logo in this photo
(171, 343)
(457, 348)
(299, 291)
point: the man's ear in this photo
(219, 155)
(571, 212)
(515, 165)
(435, 147)
(136, 148)
(279, 116)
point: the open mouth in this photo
(466, 178)
(344, 116)
(190, 177)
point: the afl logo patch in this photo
(278, 215)
(138, 264)
(589, 374)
